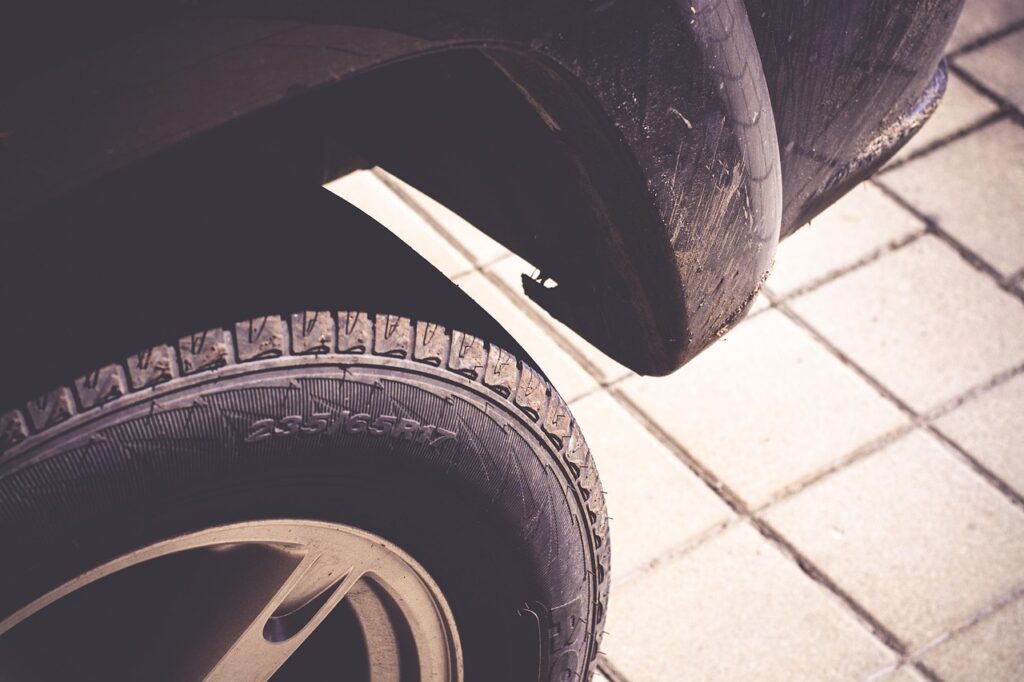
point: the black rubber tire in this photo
(446, 445)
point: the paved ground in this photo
(835, 491)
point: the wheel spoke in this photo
(246, 598)
(310, 593)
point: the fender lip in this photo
(702, 136)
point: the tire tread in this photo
(345, 333)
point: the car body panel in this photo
(850, 82)
(653, 193)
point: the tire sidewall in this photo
(486, 512)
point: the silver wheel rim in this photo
(313, 567)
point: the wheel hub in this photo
(283, 580)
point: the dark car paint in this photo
(629, 149)
(850, 82)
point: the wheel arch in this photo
(627, 151)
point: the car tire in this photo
(436, 442)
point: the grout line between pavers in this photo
(887, 637)
(594, 391)
(933, 228)
(987, 39)
(609, 669)
(916, 421)
(914, 658)
(923, 420)
(560, 341)
(493, 261)
(679, 550)
(926, 672)
(720, 488)
(603, 381)
(739, 507)
(1004, 104)
(403, 196)
(993, 479)
(973, 393)
(885, 673)
(769, 532)
(818, 282)
(983, 122)
(863, 451)
(589, 367)
(981, 615)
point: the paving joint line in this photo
(769, 532)
(862, 451)
(973, 393)
(609, 669)
(916, 421)
(716, 485)
(818, 282)
(876, 444)
(981, 615)
(987, 39)
(589, 367)
(984, 122)
(560, 341)
(926, 672)
(494, 261)
(914, 658)
(1004, 104)
(865, 450)
(933, 228)
(742, 511)
(976, 261)
(403, 196)
(990, 476)
(922, 420)
(679, 550)
(587, 394)
(818, 575)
